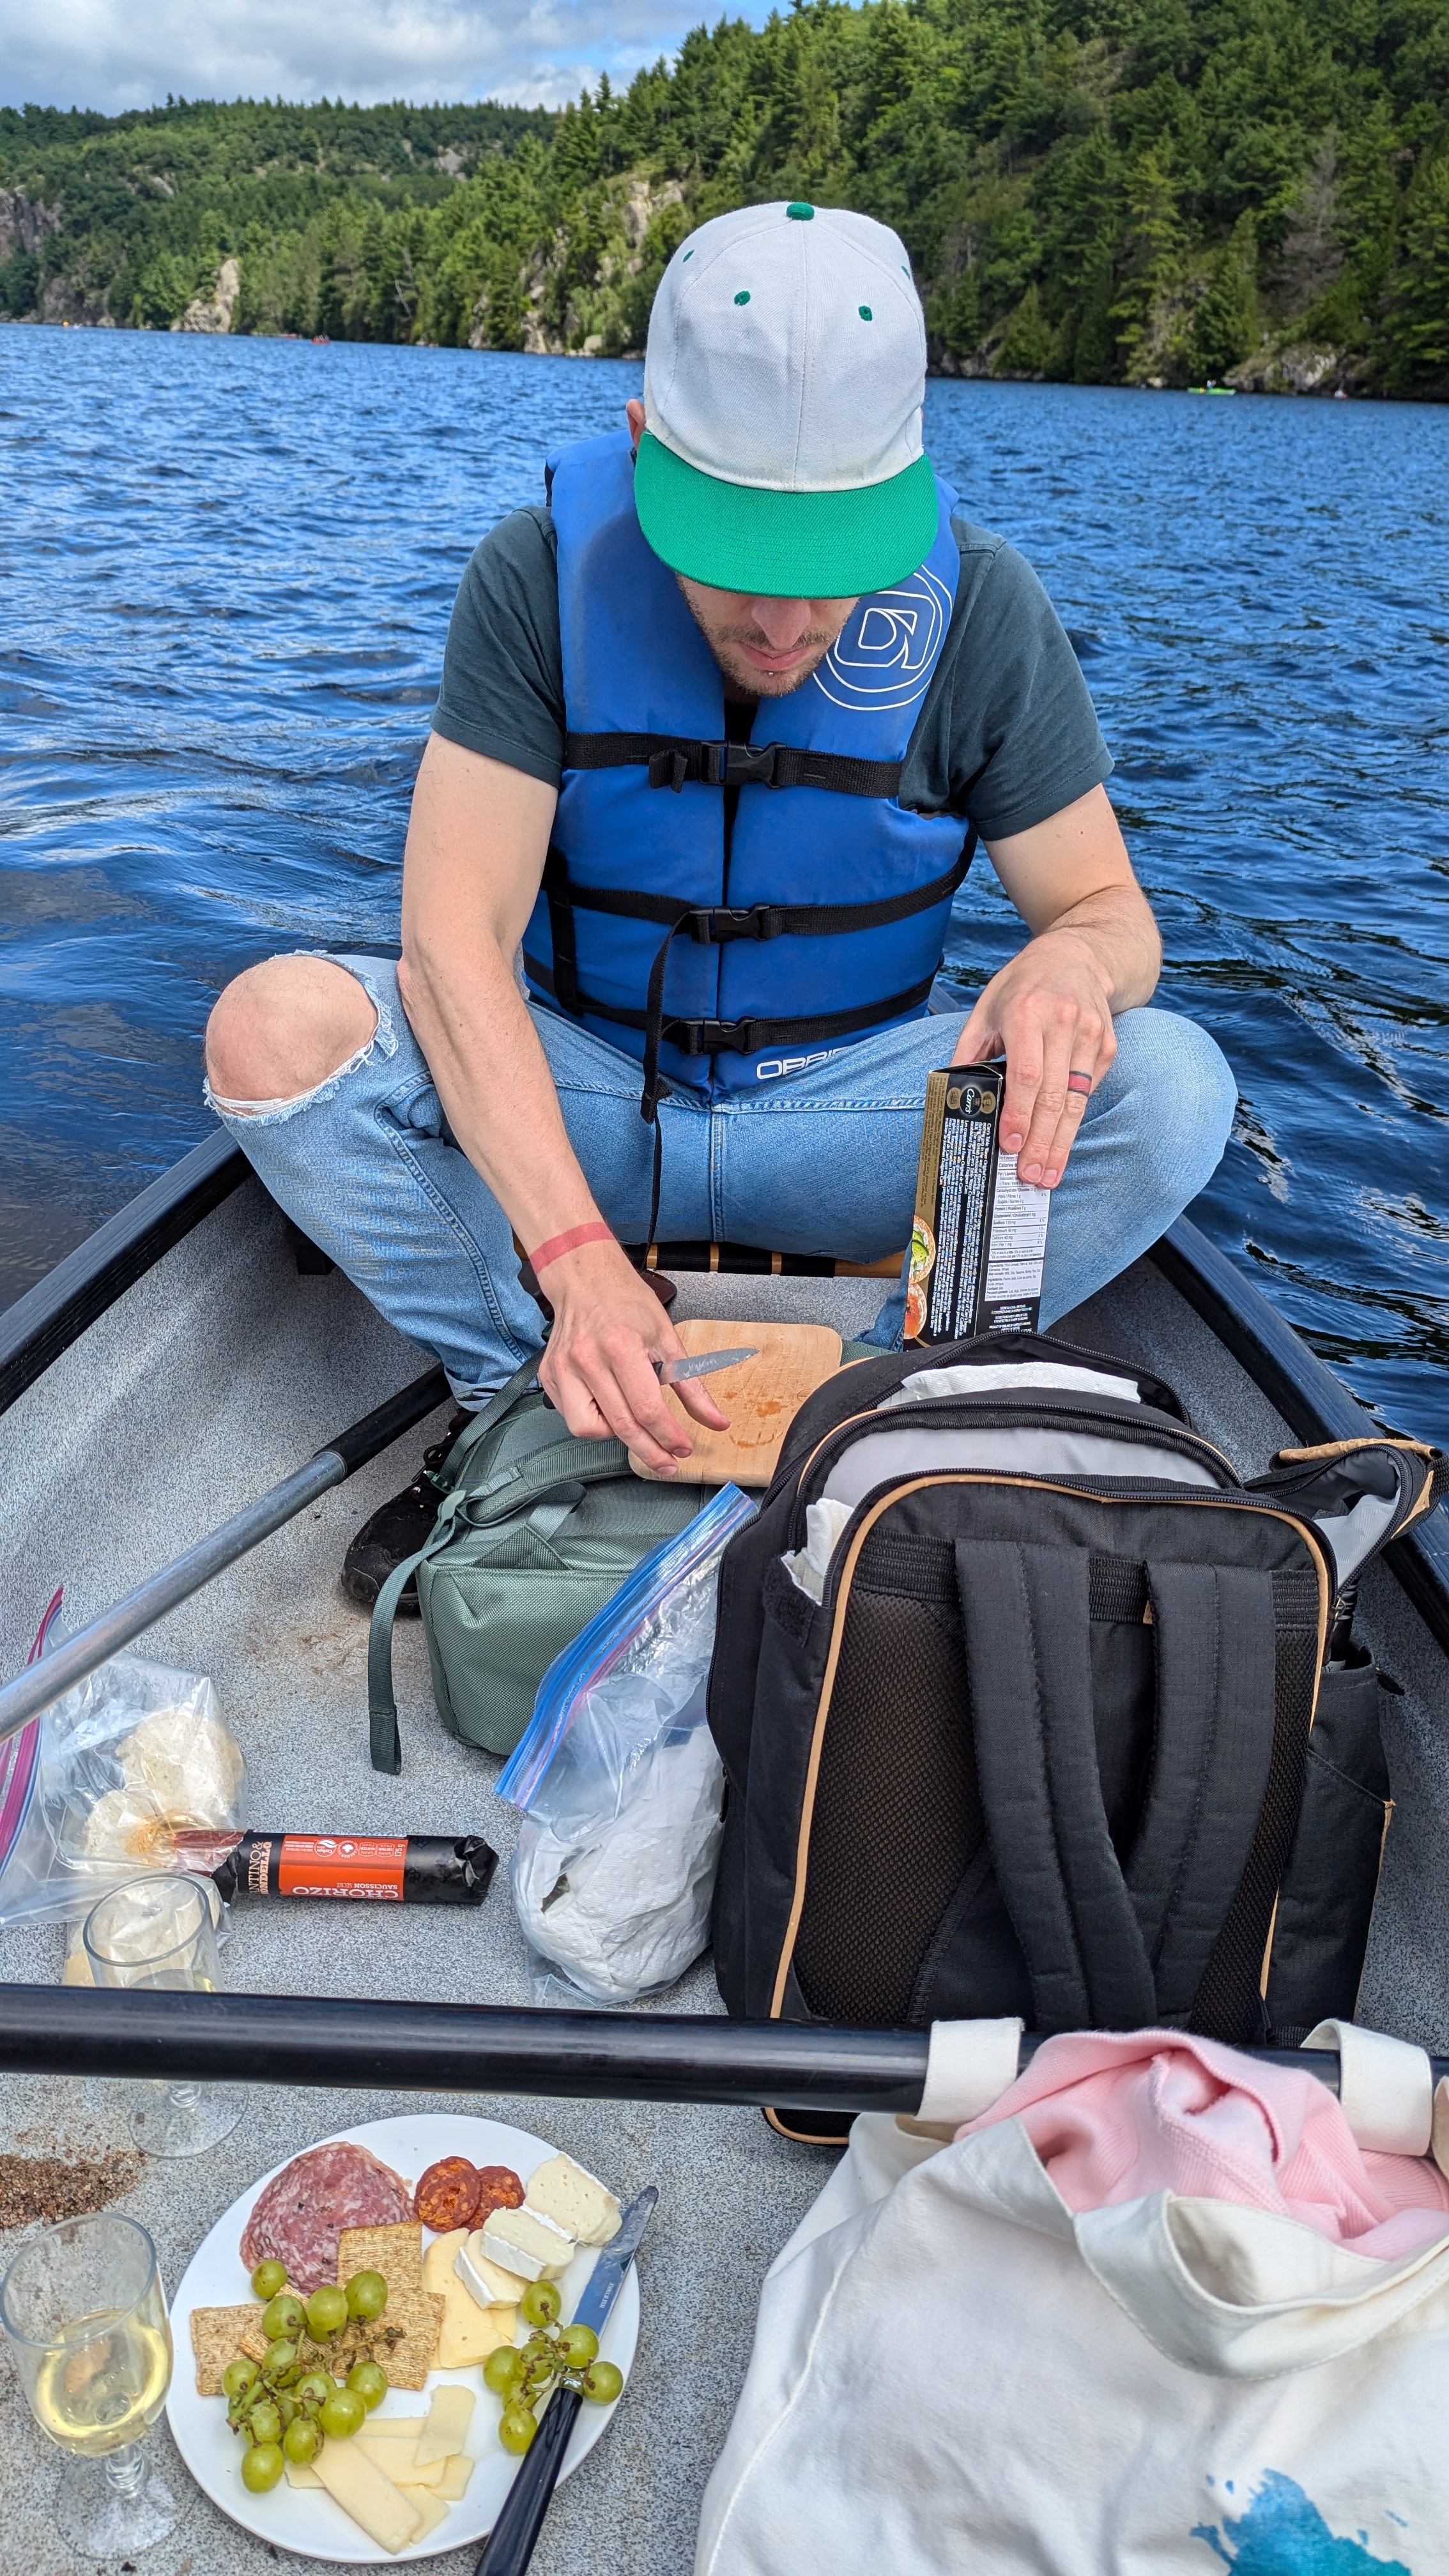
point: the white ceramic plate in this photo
(298, 2518)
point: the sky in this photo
(112, 54)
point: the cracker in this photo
(217, 2336)
(404, 2338)
(395, 2252)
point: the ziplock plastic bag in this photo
(619, 1781)
(96, 1789)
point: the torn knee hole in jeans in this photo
(266, 1111)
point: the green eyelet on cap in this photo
(743, 296)
(865, 312)
(801, 214)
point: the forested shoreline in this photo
(1100, 191)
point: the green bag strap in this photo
(385, 1742)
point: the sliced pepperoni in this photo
(498, 2188)
(447, 2196)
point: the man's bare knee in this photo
(285, 1026)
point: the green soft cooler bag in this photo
(536, 1531)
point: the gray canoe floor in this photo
(215, 1374)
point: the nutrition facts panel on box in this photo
(1017, 1247)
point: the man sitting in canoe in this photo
(718, 725)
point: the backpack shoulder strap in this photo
(1025, 1613)
(385, 1742)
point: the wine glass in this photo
(157, 1934)
(85, 2316)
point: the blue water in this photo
(225, 574)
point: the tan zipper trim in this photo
(805, 2137)
(978, 1476)
(1349, 1448)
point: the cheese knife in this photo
(704, 1365)
(514, 2536)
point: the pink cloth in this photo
(1116, 2116)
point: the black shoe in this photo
(397, 1530)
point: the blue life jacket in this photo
(729, 938)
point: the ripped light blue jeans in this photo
(822, 1161)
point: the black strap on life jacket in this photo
(675, 760)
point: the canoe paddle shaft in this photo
(92, 1646)
(479, 2048)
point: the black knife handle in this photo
(514, 2536)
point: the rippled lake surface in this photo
(226, 568)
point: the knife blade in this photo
(514, 2536)
(704, 1365)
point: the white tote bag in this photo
(954, 2370)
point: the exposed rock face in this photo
(1297, 369)
(213, 312)
(24, 222)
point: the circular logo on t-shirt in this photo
(885, 654)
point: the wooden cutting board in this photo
(761, 1396)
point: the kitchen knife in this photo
(514, 2536)
(671, 1371)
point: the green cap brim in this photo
(784, 545)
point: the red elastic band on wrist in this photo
(558, 1244)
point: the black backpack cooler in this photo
(1064, 1737)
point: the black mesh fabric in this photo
(897, 1809)
(1229, 2003)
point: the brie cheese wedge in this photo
(526, 2242)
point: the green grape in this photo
(602, 2382)
(516, 2429)
(301, 2441)
(502, 2369)
(326, 2312)
(266, 2423)
(313, 2387)
(578, 2346)
(268, 2279)
(342, 2413)
(237, 2378)
(541, 2304)
(281, 2357)
(366, 2295)
(283, 2317)
(261, 2467)
(368, 2380)
(285, 2405)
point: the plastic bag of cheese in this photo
(620, 1783)
(98, 1787)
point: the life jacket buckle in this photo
(714, 928)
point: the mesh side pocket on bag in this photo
(898, 1810)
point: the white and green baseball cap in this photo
(783, 383)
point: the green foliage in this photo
(1092, 190)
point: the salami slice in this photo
(447, 2196)
(498, 2188)
(305, 2207)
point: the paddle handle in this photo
(514, 2536)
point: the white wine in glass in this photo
(85, 2315)
(157, 1935)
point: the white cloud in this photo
(112, 54)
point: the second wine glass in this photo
(157, 1934)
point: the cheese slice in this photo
(393, 2428)
(454, 2481)
(361, 2488)
(490, 2284)
(446, 2429)
(300, 2473)
(433, 2506)
(524, 2241)
(469, 2333)
(561, 2190)
(441, 2258)
(398, 2461)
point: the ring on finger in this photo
(1081, 1082)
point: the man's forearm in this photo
(1117, 929)
(494, 1082)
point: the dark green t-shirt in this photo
(1007, 733)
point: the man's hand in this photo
(1096, 951)
(1050, 1014)
(608, 1329)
